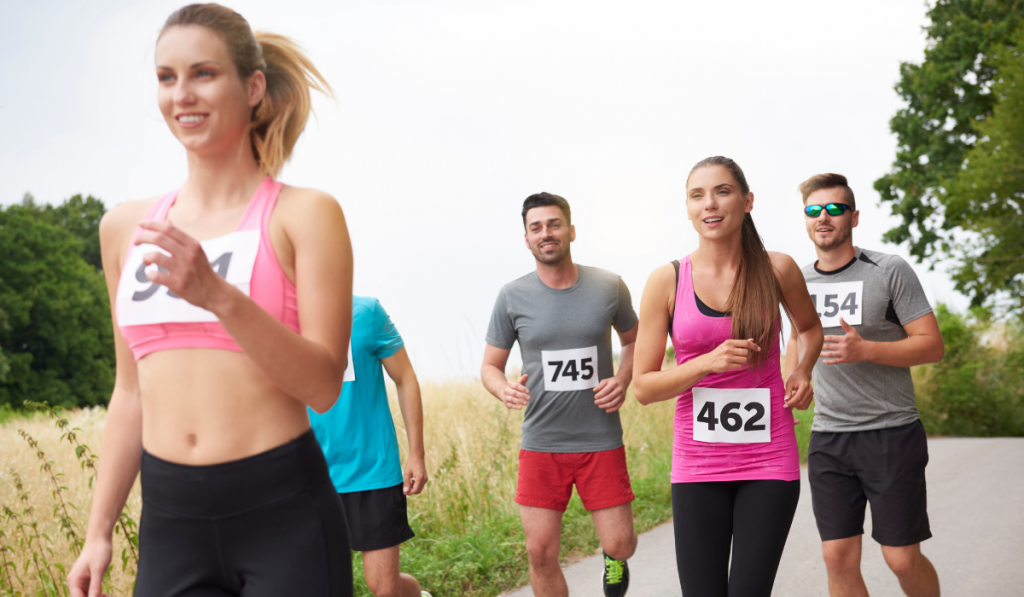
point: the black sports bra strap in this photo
(671, 315)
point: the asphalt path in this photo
(976, 508)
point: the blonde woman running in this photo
(232, 308)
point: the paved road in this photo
(976, 506)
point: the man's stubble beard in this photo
(837, 240)
(553, 260)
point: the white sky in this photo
(450, 113)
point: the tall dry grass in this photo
(468, 536)
(46, 472)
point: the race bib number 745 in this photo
(838, 299)
(569, 370)
(732, 416)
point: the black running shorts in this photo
(377, 518)
(264, 526)
(883, 467)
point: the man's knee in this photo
(621, 548)
(841, 556)
(902, 560)
(542, 554)
(384, 587)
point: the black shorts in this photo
(377, 518)
(884, 467)
(263, 526)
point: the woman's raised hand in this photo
(186, 272)
(731, 355)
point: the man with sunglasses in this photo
(867, 441)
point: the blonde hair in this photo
(281, 117)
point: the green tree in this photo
(79, 216)
(988, 193)
(947, 95)
(57, 339)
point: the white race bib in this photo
(838, 299)
(350, 371)
(732, 416)
(569, 370)
(142, 302)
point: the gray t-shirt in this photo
(877, 294)
(566, 342)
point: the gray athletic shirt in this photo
(565, 338)
(877, 294)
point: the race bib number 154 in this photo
(569, 370)
(838, 299)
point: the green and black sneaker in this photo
(615, 577)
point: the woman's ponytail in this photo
(280, 118)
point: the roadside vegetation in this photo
(469, 540)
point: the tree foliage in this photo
(947, 97)
(55, 335)
(79, 216)
(988, 194)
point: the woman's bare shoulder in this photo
(304, 206)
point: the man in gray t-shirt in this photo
(562, 316)
(867, 441)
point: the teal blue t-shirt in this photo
(358, 435)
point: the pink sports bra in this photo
(152, 318)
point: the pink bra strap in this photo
(257, 215)
(158, 212)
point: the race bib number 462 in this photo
(732, 416)
(838, 299)
(141, 301)
(569, 370)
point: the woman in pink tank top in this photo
(232, 311)
(735, 463)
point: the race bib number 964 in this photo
(142, 302)
(838, 299)
(569, 370)
(732, 416)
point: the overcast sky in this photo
(450, 113)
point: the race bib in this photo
(838, 299)
(143, 302)
(737, 416)
(350, 371)
(569, 370)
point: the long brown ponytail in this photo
(280, 118)
(756, 293)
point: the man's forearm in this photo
(909, 352)
(625, 373)
(411, 404)
(494, 380)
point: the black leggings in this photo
(753, 516)
(264, 526)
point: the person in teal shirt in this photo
(359, 442)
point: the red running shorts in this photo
(546, 479)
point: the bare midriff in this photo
(207, 406)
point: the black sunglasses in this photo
(833, 209)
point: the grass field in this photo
(469, 540)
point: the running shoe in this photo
(615, 577)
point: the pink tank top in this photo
(739, 430)
(152, 318)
